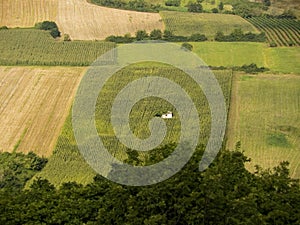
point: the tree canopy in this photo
(226, 193)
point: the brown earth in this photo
(34, 103)
(78, 18)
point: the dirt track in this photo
(34, 103)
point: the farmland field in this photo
(34, 103)
(279, 60)
(25, 13)
(66, 164)
(79, 19)
(35, 47)
(284, 59)
(84, 21)
(282, 32)
(185, 24)
(230, 54)
(265, 118)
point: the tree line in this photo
(225, 193)
(156, 34)
(238, 35)
(136, 5)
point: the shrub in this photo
(4, 28)
(187, 46)
(252, 68)
(120, 39)
(141, 35)
(156, 34)
(214, 10)
(197, 37)
(238, 35)
(221, 6)
(67, 37)
(172, 3)
(291, 43)
(49, 26)
(195, 7)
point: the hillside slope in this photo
(183, 23)
(79, 19)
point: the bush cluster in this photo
(175, 3)
(136, 5)
(251, 68)
(156, 34)
(49, 26)
(238, 35)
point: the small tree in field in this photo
(67, 37)
(221, 6)
(214, 10)
(195, 7)
(49, 26)
(156, 34)
(141, 35)
(186, 46)
(167, 34)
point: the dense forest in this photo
(226, 193)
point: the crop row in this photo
(66, 153)
(280, 32)
(34, 47)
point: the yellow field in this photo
(25, 13)
(264, 116)
(79, 19)
(34, 103)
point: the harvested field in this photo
(34, 103)
(78, 18)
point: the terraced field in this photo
(79, 19)
(185, 24)
(265, 118)
(282, 32)
(34, 103)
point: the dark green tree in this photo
(49, 26)
(141, 35)
(221, 6)
(195, 7)
(187, 46)
(167, 35)
(214, 10)
(156, 34)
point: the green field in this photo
(66, 164)
(284, 59)
(185, 24)
(35, 47)
(279, 60)
(265, 118)
(230, 53)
